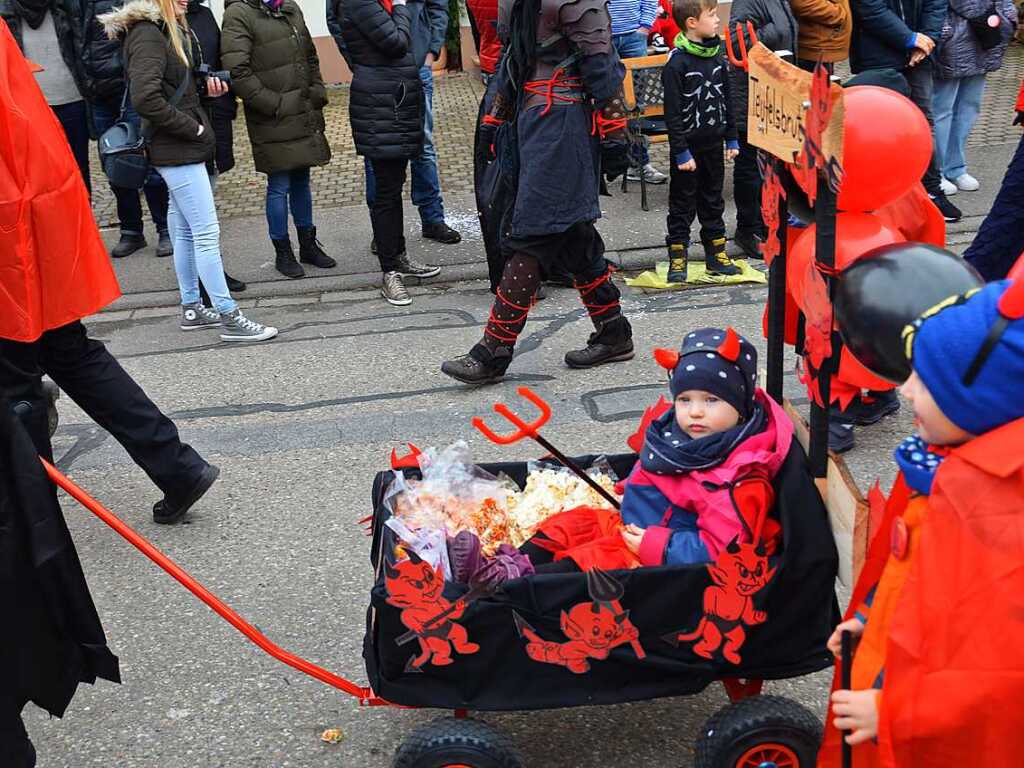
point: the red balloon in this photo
(856, 234)
(887, 146)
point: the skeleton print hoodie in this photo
(698, 110)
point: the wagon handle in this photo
(530, 430)
(365, 695)
(741, 61)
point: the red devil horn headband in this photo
(730, 348)
(667, 358)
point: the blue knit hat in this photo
(717, 361)
(944, 345)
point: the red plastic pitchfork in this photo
(530, 430)
(741, 61)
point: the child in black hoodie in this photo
(699, 115)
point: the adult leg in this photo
(746, 182)
(90, 376)
(389, 228)
(965, 115)
(198, 231)
(16, 750)
(629, 46)
(943, 103)
(922, 89)
(1000, 240)
(426, 185)
(73, 119)
(278, 186)
(300, 197)
(129, 209)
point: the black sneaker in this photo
(406, 267)
(441, 232)
(840, 435)
(750, 243)
(872, 407)
(164, 246)
(949, 211)
(611, 343)
(127, 245)
(480, 366)
(165, 513)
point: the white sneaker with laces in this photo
(948, 187)
(237, 327)
(966, 183)
(651, 175)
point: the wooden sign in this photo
(778, 105)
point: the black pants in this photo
(16, 750)
(90, 376)
(922, 88)
(746, 184)
(74, 119)
(697, 194)
(386, 214)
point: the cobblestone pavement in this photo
(240, 192)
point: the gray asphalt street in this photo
(299, 426)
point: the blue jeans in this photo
(631, 45)
(426, 185)
(129, 209)
(955, 104)
(192, 218)
(288, 189)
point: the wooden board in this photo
(779, 96)
(847, 508)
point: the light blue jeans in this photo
(192, 223)
(426, 185)
(955, 107)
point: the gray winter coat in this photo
(775, 26)
(959, 54)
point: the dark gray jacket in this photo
(775, 26)
(429, 28)
(959, 53)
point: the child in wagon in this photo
(679, 505)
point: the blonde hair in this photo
(175, 24)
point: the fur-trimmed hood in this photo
(116, 23)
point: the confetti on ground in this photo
(332, 736)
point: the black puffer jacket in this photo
(154, 74)
(224, 109)
(68, 20)
(102, 62)
(386, 103)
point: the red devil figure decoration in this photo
(594, 628)
(739, 573)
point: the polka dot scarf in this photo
(919, 462)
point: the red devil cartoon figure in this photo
(739, 573)
(594, 628)
(415, 586)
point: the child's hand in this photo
(632, 535)
(689, 165)
(731, 154)
(856, 711)
(854, 626)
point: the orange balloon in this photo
(887, 146)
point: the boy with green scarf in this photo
(699, 116)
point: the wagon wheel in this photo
(760, 732)
(451, 742)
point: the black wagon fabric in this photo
(799, 601)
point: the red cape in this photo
(54, 268)
(954, 678)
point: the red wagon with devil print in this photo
(561, 640)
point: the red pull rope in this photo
(365, 695)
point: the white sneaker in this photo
(948, 187)
(196, 317)
(651, 175)
(966, 183)
(237, 327)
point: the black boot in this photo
(234, 284)
(285, 262)
(676, 263)
(749, 242)
(480, 366)
(127, 245)
(716, 260)
(610, 343)
(311, 251)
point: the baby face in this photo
(932, 424)
(700, 413)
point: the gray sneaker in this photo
(237, 327)
(393, 290)
(409, 268)
(195, 317)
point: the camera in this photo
(203, 73)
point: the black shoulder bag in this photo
(123, 147)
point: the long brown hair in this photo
(174, 24)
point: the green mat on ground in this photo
(696, 275)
